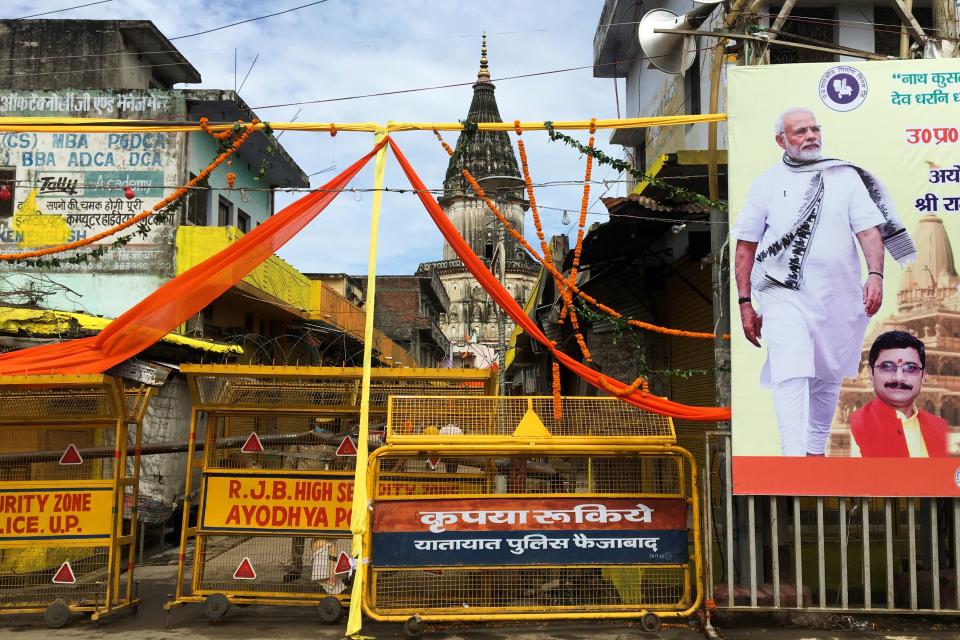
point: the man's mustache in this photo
(898, 385)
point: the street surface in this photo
(270, 623)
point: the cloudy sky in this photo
(342, 48)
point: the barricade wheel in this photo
(413, 627)
(330, 609)
(57, 615)
(650, 621)
(216, 606)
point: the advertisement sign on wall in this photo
(844, 197)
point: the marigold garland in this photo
(219, 135)
(549, 266)
(640, 383)
(561, 284)
(176, 195)
(584, 203)
(231, 179)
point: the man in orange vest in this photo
(891, 425)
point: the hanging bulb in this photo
(566, 217)
(129, 193)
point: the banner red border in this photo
(870, 477)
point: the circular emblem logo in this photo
(843, 88)
(956, 477)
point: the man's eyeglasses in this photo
(802, 131)
(890, 368)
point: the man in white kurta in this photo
(797, 259)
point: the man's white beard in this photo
(803, 155)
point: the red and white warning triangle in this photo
(433, 462)
(71, 455)
(245, 571)
(344, 564)
(64, 574)
(347, 448)
(252, 445)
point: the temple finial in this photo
(484, 73)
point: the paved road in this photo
(270, 623)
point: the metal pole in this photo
(501, 315)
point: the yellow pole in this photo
(358, 518)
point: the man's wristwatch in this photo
(744, 300)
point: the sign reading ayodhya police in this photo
(845, 222)
(513, 531)
(55, 515)
(300, 502)
(70, 186)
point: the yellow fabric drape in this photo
(358, 517)
(36, 124)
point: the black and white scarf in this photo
(782, 260)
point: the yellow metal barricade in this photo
(595, 515)
(275, 484)
(69, 464)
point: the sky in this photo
(342, 48)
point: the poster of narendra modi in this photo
(845, 293)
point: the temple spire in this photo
(484, 74)
(484, 153)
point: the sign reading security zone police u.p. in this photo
(276, 504)
(55, 514)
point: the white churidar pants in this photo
(805, 408)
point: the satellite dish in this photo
(672, 52)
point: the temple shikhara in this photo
(928, 306)
(471, 318)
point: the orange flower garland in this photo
(231, 179)
(561, 284)
(584, 203)
(178, 193)
(626, 390)
(219, 135)
(551, 268)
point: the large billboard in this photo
(844, 197)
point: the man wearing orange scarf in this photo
(891, 425)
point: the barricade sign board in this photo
(55, 513)
(69, 465)
(589, 530)
(276, 504)
(277, 467)
(510, 531)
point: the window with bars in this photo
(197, 205)
(223, 212)
(8, 179)
(886, 34)
(807, 25)
(243, 220)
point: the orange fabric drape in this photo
(503, 298)
(172, 304)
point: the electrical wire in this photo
(864, 25)
(234, 24)
(79, 6)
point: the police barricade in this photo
(69, 462)
(591, 516)
(277, 447)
